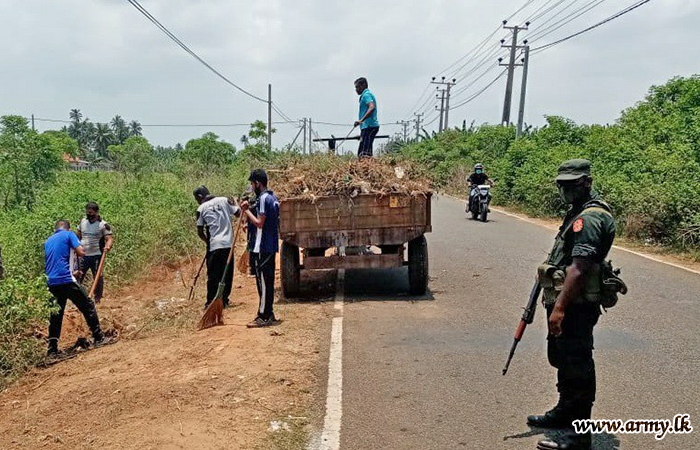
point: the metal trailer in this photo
(390, 222)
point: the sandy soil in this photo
(166, 386)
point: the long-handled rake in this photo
(214, 314)
(346, 138)
(190, 296)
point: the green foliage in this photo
(646, 165)
(135, 157)
(206, 155)
(28, 161)
(19, 350)
(153, 222)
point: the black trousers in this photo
(75, 293)
(265, 280)
(572, 355)
(367, 136)
(216, 263)
(92, 263)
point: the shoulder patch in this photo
(107, 227)
(578, 225)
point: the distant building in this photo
(75, 163)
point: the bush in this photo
(646, 165)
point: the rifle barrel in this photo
(510, 355)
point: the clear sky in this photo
(105, 58)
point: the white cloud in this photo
(104, 57)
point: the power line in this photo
(484, 89)
(539, 34)
(173, 125)
(175, 39)
(592, 27)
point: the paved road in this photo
(426, 373)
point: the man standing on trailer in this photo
(368, 122)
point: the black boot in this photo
(569, 441)
(558, 417)
(53, 348)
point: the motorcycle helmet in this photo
(479, 168)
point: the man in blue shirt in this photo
(368, 122)
(265, 246)
(60, 251)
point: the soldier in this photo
(571, 281)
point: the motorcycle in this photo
(480, 199)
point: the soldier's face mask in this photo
(575, 192)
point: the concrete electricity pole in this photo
(505, 120)
(404, 124)
(445, 103)
(311, 141)
(303, 148)
(441, 108)
(269, 116)
(417, 125)
(523, 89)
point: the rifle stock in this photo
(525, 320)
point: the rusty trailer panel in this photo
(353, 262)
(367, 219)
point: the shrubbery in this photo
(647, 165)
(151, 210)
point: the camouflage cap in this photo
(574, 169)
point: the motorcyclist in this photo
(476, 178)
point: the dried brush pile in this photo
(316, 176)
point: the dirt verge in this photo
(165, 386)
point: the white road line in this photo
(330, 437)
(616, 247)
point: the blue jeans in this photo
(367, 136)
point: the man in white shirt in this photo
(96, 237)
(214, 216)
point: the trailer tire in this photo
(418, 266)
(290, 270)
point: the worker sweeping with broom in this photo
(214, 216)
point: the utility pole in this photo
(442, 108)
(417, 125)
(303, 148)
(505, 120)
(311, 140)
(33, 129)
(269, 116)
(523, 89)
(404, 124)
(445, 107)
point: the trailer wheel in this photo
(418, 266)
(290, 270)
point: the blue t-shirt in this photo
(267, 238)
(365, 99)
(58, 254)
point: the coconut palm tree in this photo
(102, 139)
(120, 129)
(135, 128)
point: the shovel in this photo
(98, 275)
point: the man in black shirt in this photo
(478, 177)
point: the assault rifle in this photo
(528, 317)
